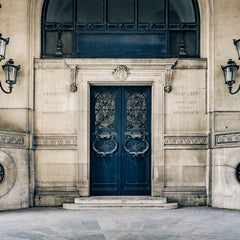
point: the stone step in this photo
(106, 203)
(117, 200)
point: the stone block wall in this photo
(197, 134)
(15, 188)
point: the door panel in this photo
(136, 129)
(120, 158)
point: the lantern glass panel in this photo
(10, 74)
(234, 74)
(2, 49)
(228, 74)
(238, 49)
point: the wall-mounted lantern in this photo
(230, 73)
(9, 68)
(3, 43)
(237, 44)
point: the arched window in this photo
(120, 28)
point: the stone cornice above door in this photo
(99, 63)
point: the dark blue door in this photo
(120, 157)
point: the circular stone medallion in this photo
(8, 173)
(2, 173)
(238, 172)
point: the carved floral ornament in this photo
(121, 73)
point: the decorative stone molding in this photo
(73, 86)
(12, 139)
(168, 78)
(55, 141)
(227, 138)
(121, 73)
(192, 141)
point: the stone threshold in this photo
(119, 202)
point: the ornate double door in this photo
(120, 139)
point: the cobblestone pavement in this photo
(180, 224)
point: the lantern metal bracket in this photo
(230, 90)
(10, 88)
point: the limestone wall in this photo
(186, 137)
(55, 140)
(196, 144)
(16, 156)
(225, 118)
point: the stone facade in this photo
(44, 125)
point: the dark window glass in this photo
(90, 11)
(189, 40)
(190, 43)
(51, 43)
(181, 11)
(175, 38)
(67, 42)
(120, 28)
(120, 11)
(60, 11)
(151, 11)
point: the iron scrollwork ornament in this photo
(136, 111)
(2, 173)
(105, 110)
(105, 143)
(136, 143)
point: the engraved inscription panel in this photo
(186, 102)
(55, 102)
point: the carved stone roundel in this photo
(238, 172)
(121, 73)
(8, 173)
(2, 172)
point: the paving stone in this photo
(91, 225)
(181, 224)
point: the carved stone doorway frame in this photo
(120, 72)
